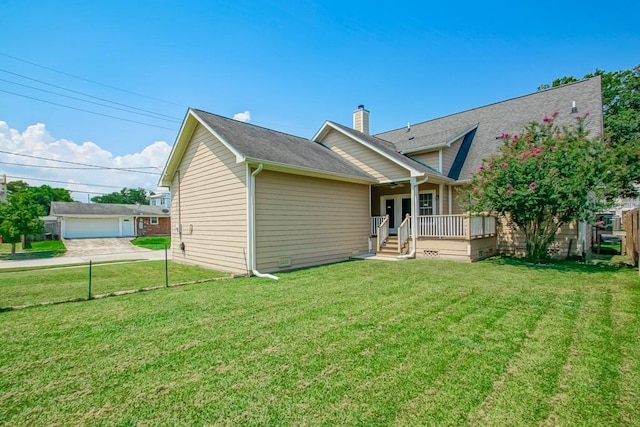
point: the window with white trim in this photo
(153, 220)
(425, 204)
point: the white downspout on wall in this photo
(252, 226)
(414, 215)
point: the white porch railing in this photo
(403, 232)
(482, 225)
(375, 223)
(382, 232)
(441, 226)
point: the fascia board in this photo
(298, 170)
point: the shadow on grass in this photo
(595, 265)
(31, 255)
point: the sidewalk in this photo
(65, 259)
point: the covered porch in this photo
(442, 230)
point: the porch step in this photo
(390, 248)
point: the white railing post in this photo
(403, 233)
(382, 233)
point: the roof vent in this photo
(165, 210)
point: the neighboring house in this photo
(160, 199)
(3, 188)
(83, 220)
(248, 199)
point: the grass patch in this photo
(41, 249)
(40, 285)
(152, 242)
(422, 342)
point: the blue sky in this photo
(292, 65)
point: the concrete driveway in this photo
(106, 246)
(84, 250)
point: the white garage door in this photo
(93, 227)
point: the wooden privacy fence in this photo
(631, 224)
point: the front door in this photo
(390, 209)
(397, 207)
(406, 207)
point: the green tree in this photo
(621, 110)
(544, 178)
(20, 217)
(42, 195)
(128, 196)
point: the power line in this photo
(90, 81)
(87, 111)
(85, 94)
(62, 182)
(74, 168)
(129, 169)
(90, 102)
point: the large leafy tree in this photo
(543, 178)
(20, 217)
(621, 110)
(128, 196)
(42, 195)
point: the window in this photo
(425, 206)
(154, 220)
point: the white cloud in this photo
(243, 117)
(84, 183)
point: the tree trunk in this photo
(13, 248)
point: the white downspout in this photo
(252, 226)
(414, 215)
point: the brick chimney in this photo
(361, 120)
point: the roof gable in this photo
(255, 144)
(380, 146)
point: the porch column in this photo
(414, 214)
(440, 203)
(414, 211)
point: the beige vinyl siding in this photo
(310, 221)
(366, 159)
(456, 204)
(212, 202)
(511, 241)
(431, 159)
(445, 200)
(456, 249)
(449, 155)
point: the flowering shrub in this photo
(543, 178)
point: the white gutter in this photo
(252, 226)
(414, 215)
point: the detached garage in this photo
(92, 220)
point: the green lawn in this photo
(361, 343)
(42, 249)
(152, 242)
(39, 285)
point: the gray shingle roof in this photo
(268, 145)
(508, 116)
(106, 209)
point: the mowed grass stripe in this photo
(520, 395)
(484, 354)
(626, 318)
(590, 393)
(372, 384)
